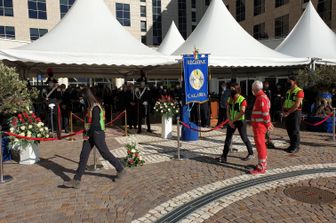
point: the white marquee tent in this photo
(88, 35)
(310, 37)
(172, 41)
(229, 44)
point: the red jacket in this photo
(261, 109)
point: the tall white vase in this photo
(167, 127)
(28, 153)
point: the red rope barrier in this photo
(77, 117)
(42, 139)
(116, 118)
(319, 123)
(210, 130)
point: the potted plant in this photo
(167, 107)
(133, 157)
(27, 125)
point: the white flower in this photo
(161, 111)
(16, 140)
(133, 150)
(140, 158)
(169, 109)
(29, 133)
(30, 126)
(177, 111)
(22, 134)
(46, 128)
(41, 129)
(23, 127)
(47, 136)
(30, 112)
(12, 130)
(39, 135)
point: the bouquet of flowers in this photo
(27, 125)
(133, 157)
(167, 106)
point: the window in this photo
(193, 16)
(36, 33)
(259, 31)
(240, 10)
(281, 26)
(144, 39)
(259, 7)
(193, 4)
(123, 14)
(279, 3)
(65, 5)
(182, 17)
(143, 1)
(7, 32)
(143, 11)
(37, 9)
(6, 8)
(324, 10)
(143, 26)
(157, 22)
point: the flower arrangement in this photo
(133, 157)
(27, 125)
(167, 106)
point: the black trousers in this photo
(96, 139)
(143, 112)
(293, 122)
(221, 115)
(241, 126)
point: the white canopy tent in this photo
(88, 35)
(172, 41)
(310, 37)
(229, 44)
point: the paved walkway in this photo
(37, 195)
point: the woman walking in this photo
(95, 136)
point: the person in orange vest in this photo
(95, 136)
(261, 123)
(292, 112)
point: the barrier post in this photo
(95, 167)
(71, 126)
(3, 179)
(125, 122)
(178, 139)
(334, 120)
(199, 119)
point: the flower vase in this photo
(26, 153)
(167, 127)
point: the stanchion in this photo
(126, 134)
(178, 156)
(95, 167)
(334, 120)
(3, 179)
(71, 126)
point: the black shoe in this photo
(139, 131)
(288, 149)
(270, 145)
(222, 159)
(248, 157)
(121, 174)
(295, 150)
(150, 131)
(72, 184)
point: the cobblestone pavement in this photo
(36, 193)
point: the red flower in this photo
(29, 120)
(128, 151)
(38, 119)
(136, 154)
(25, 115)
(131, 161)
(20, 116)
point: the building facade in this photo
(149, 20)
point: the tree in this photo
(323, 79)
(14, 95)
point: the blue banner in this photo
(196, 78)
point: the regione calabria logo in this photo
(196, 79)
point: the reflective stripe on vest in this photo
(235, 107)
(88, 121)
(260, 120)
(291, 97)
(260, 113)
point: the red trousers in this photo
(259, 131)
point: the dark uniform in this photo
(143, 107)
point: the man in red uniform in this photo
(261, 123)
